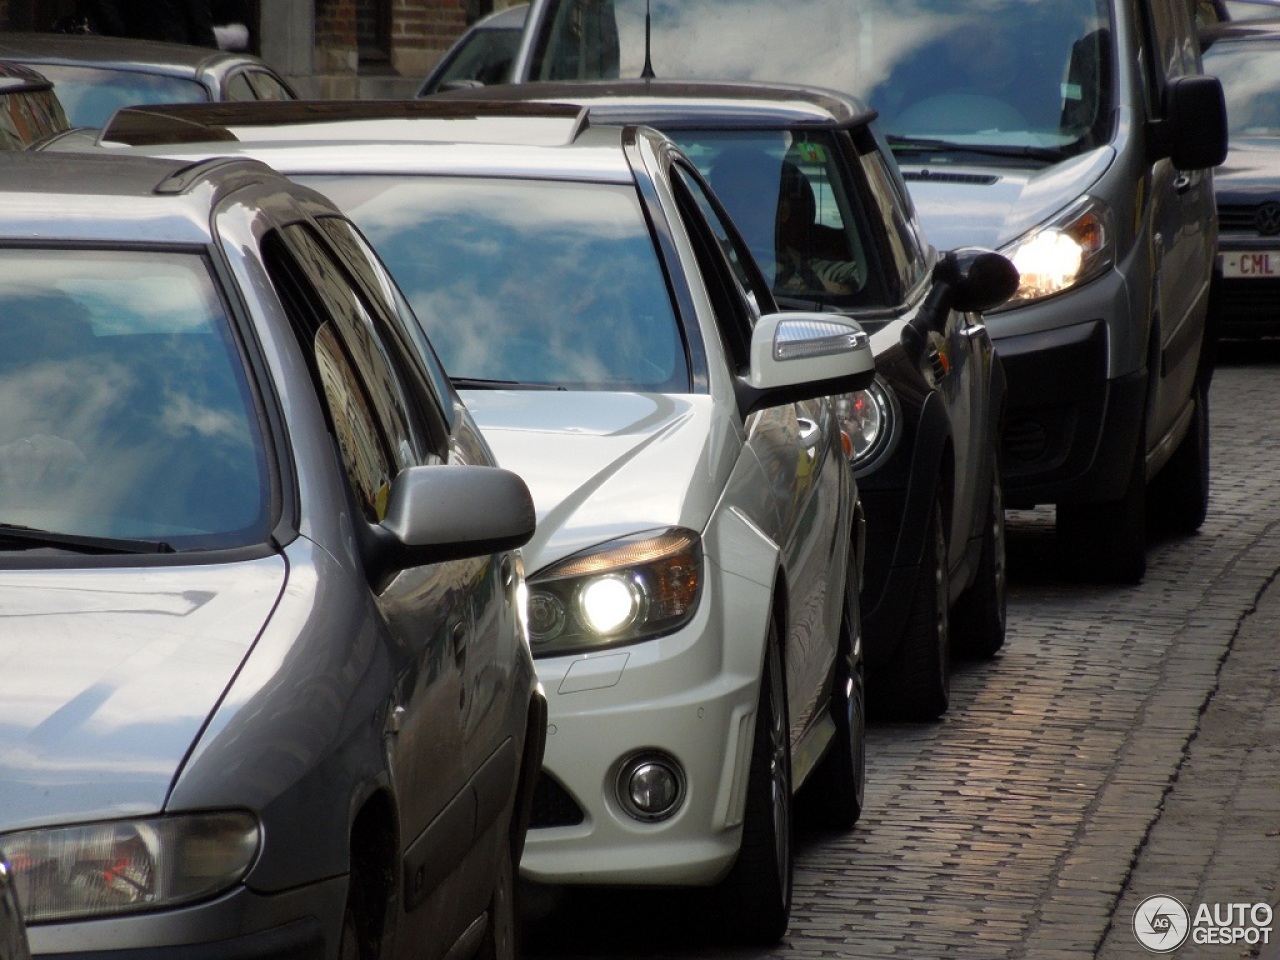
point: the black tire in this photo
(754, 900)
(836, 789)
(1107, 542)
(1178, 500)
(916, 685)
(502, 934)
(979, 619)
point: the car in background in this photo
(482, 55)
(95, 75)
(693, 582)
(29, 109)
(13, 931)
(927, 431)
(1038, 130)
(1245, 56)
(268, 688)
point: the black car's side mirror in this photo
(1193, 133)
(968, 279)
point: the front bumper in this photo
(300, 924)
(691, 696)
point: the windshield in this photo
(124, 411)
(1250, 75)
(525, 283)
(1015, 73)
(90, 95)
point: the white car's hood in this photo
(109, 675)
(603, 465)
(965, 205)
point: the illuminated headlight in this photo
(869, 419)
(125, 866)
(623, 591)
(1071, 250)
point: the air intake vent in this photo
(933, 176)
(552, 805)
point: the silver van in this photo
(1076, 137)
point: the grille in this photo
(1025, 441)
(552, 805)
(1244, 218)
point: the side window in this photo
(267, 87)
(437, 390)
(367, 411)
(744, 268)
(239, 88)
(580, 42)
(729, 300)
(907, 259)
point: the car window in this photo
(268, 87)
(367, 411)
(538, 283)
(907, 261)
(91, 95)
(809, 239)
(1250, 73)
(125, 410)
(435, 392)
(28, 115)
(485, 56)
(238, 87)
(1003, 72)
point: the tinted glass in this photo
(1009, 72)
(91, 95)
(1250, 75)
(29, 116)
(124, 408)
(525, 282)
(806, 236)
(484, 56)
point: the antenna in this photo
(647, 73)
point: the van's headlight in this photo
(623, 591)
(869, 419)
(124, 866)
(1068, 251)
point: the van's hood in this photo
(603, 465)
(988, 205)
(109, 675)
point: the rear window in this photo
(90, 95)
(124, 408)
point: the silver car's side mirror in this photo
(449, 513)
(801, 356)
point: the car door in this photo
(1182, 211)
(426, 613)
(949, 362)
(796, 445)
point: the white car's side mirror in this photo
(800, 356)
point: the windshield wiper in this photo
(901, 144)
(34, 537)
(477, 383)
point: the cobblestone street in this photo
(1028, 823)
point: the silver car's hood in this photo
(964, 205)
(603, 465)
(109, 675)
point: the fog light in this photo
(650, 787)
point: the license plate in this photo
(1251, 264)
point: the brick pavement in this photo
(1123, 745)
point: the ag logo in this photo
(1161, 924)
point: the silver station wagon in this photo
(267, 684)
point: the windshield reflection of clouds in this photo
(530, 282)
(1022, 57)
(1250, 75)
(123, 407)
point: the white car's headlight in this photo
(124, 866)
(623, 591)
(1068, 251)
(869, 419)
